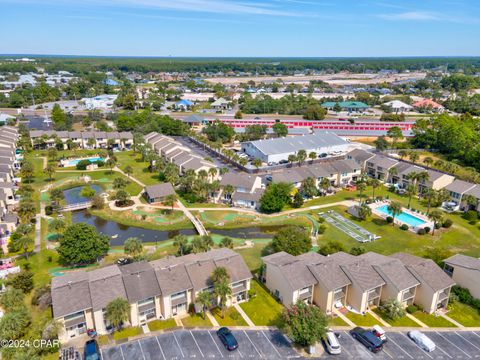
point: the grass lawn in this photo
(103, 340)
(196, 320)
(156, 325)
(402, 322)
(232, 317)
(39, 264)
(336, 321)
(127, 332)
(140, 168)
(263, 309)
(431, 320)
(464, 314)
(252, 255)
(460, 238)
(362, 320)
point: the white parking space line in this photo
(141, 350)
(101, 354)
(209, 333)
(251, 342)
(393, 341)
(179, 347)
(453, 344)
(273, 346)
(439, 348)
(161, 350)
(386, 352)
(475, 346)
(121, 352)
(426, 353)
(196, 343)
(474, 333)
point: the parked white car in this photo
(422, 340)
(332, 344)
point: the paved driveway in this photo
(451, 345)
(203, 344)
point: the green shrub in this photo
(470, 215)
(438, 226)
(411, 309)
(389, 219)
(421, 232)
(321, 229)
(48, 210)
(404, 227)
(82, 164)
(321, 219)
(427, 229)
(447, 223)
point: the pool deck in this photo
(428, 223)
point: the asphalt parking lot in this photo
(203, 344)
(451, 345)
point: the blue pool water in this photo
(403, 217)
(92, 160)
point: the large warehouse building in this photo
(276, 150)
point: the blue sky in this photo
(317, 28)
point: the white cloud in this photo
(412, 16)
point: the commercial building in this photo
(361, 282)
(42, 139)
(276, 150)
(350, 106)
(160, 289)
(103, 102)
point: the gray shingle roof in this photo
(459, 186)
(329, 273)
(173, 279)
(359, 155)
(426, 271)
(70, 293)
(106, 284)
(464, 261)
(383, 161)
(237, 180)
(361, 273)
(159, 190)
(140, 281)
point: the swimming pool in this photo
(404, 217)
(76, 161)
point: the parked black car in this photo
(227, 338)
(91, 350)
(367, 338)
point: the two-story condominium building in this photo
(360, 156)
(457, 189)
(247, 190)
(434, 289)
(436, 181)
(465, 271)
(378, 167)
(403, 172)
(160, 289)
(42, 139)
(361, 282)
(475, 192)
(175, 152)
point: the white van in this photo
(333, 346)
(422, 340)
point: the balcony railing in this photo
(339, 295)
(305, 295)
(443, 295)
(373, 294)
(407, 295)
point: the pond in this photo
(72, 196)
(118, 233)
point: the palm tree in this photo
(421, 178)
(50, 170)
(222, 291)
(374, 183)
(411, 190)
(429, 194)
(364, 211)
(301, 156)
(133, 246)
(392, 173)
(324, 185)
(292, 158)
(413, 156)
(312, 156)
(24, 242)
(403, 154)
(257, 162)
(396, 209)
(181, 242)
(111, 164)
(170, 200)
(117, 312)
(212, 172)
(128, 170)
(428, 161)
(204, 298)
(228, 190)
(437, 216)
(226, 242)
(361, 186)
(219, 274)
(470, 200)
